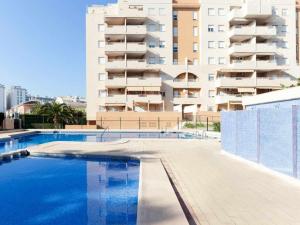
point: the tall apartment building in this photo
(15, 96)
(187, 55)
(2, 98)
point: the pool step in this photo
(8, 156)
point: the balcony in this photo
(136, 64)
(266, 65)
(187, 99)
(115, 47)
(114, 99)
(250, 11)
(182, 83)
(273, 82)
(244, 48)
(223, 99)
(242, 64)
(144, 82)
(145, 98)
(265, 31)
(231, 82)
(115, 82)
(114, 65)
(136, 29)
(136, 47)
(122, 29)
(115, 29)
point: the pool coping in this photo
(156, 197)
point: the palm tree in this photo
(58, 113)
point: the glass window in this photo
(175, 31)
(284, 12)
(101, 76)
(211, 12)
(211, 77)
(175, 13)
(175, 61)
(221, 11)
(195, 31)
(151, 27)
(151, 12)
(195, 47)
(221, 60)
(162, 44)
(162, 27)
(221, 28)
(175, 47)
(210, 108)
(211, 44)
(151, 60)
(195, 61)
(221, 44)
(284, 28)
(152, 44)
(211, 28)
(211, 93)
(101, 27)
(195, 15)
(102, 93)
(162, 12)
(101, 44)
(284, 44)
(101, 60)
(162, 60)
(211, 61)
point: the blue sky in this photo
(42, 45)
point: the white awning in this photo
(248, 90)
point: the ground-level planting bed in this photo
(69, 191)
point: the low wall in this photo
(79, 127)
(139, 120)
(267, 136)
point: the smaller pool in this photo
(41, 138)
(48, 191)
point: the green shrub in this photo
(217, 126)
(42, 125)
(193, 125)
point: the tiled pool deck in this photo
(218, 189)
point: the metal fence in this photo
(270, 137)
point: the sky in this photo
(42, 45)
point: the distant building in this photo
(75, 102)
(285, 98)
(2, 98)
(21, 109)
(15, 96)
(42, 100)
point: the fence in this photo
(267, 136)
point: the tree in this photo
(36, 109)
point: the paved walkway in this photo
(220, 190)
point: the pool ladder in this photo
(105, 131)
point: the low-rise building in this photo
(285, 98)
(75, 102)
(21, 109)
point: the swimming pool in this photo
(63, 191)
(41, 138)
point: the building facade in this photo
(187, 55)
(15, 96)
(2, 99)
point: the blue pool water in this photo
(58, 191)
(31, 140)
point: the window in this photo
(162, 60)
(210, 108)
(175, 13)
(221, 44)
(211, 93)
(101, 44)
(175, 61)
(221, 60)
(221, 28)
(175, 31)
(285, 61)
(211, 77)
(195, 47)
(102, 108)
(211, 12)
(101, 27)
(283, 28)
(151, 60)
(284, 44)
(195, 15)
(162, 12)
(152, 44)
(151, 27)
(195, 61)
(101, 60)
(275, 11)
(211, 44)
(195, 31)
(151, 12)
(162, 27)
(211, 28)
(211, 60)
(101, 76)
(102, 93)
(175, 47)
(221, 11)
(162, 44)
(284, 12)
